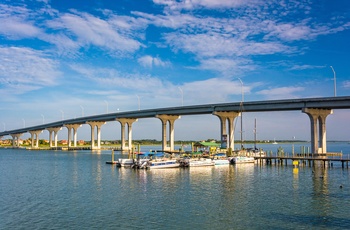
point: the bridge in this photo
(316, 108)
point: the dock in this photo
(307, 159)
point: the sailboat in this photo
(274, 142)
(243, 156)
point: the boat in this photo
(161, 164)
(221, 161)
(200, 162)
(242, 160)
(274, 142)
(125, 162)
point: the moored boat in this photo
(242, 160)
(221, 161)
(200, 162)
(161, 164)
(125, 162)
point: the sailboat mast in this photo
(241, 112)
(242, 128)
(255, 134)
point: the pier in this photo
(308, 159)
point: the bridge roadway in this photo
(233, 109)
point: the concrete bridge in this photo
(316, 108)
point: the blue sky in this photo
(65, 58)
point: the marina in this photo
(77, 189)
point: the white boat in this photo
(221, 161)
(161, 164)
(274, 142)
(125, 162)
(130, 162)
(242, 160)
(200, 162)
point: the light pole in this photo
(43, 118)
(241, 90)
(241, 112)
(138, 99)
(106, 105)
(82, 111)
(335, 83)
(62, 114)
(182, 96)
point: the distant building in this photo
(64, 142)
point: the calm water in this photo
(77, 190)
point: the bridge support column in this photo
(35, 136)
(98, 125)
(15, 139)
(129, 122)
(165, 119)
(73, 127)
(229, 141)
(55, 131)
(318, 128)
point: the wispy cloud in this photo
(304, 67)
(281, 93)
(88, 30)
(346, 84)
(15, 23)
(195, 4)
(24, 69)
(150, 62)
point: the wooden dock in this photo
(304, 160)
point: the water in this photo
(77, 190)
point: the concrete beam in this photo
(165, 120)
(123, 122)
(230, 116)
(318, 128)
(98, 125)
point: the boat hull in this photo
(242, 160)
(221, 162)
(201, 163)
(163, 164)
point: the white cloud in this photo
(303, 67)
(24, 69)
(88, 30)
(281, 93)
(210, 4)
(346, 84)
(113, 78)
(150, 62)
(216, 45)
(226, 66)
(15, 24)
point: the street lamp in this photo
(182, 96)
(43, 118)
(82, 111)
(106, 105)
(335, 83)
(241, 89)
(62, 114)
(138, 98)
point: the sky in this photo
(63, 59)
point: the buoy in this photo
(341, 186)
